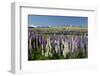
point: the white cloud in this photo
(32, 25)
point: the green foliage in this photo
(36, 55)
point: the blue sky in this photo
(44, 20)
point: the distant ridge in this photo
(47, 26)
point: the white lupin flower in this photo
(48, 47)
(66, 48)
(42, 49)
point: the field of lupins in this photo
(55, 44)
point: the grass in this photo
(53, 29)
(75, 55)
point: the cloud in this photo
(32, 25)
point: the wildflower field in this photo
(50, 43)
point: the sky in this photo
(44, 20)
